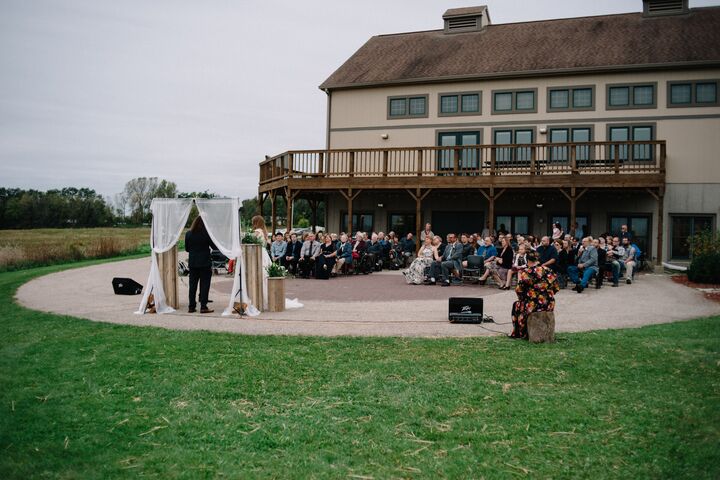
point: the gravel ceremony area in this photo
(379, 304)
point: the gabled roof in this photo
(608, 42)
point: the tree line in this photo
(83, 207)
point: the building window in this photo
(407, 107)
(467, 157)
(401, 224)
(517, 136)
(569, 134)
(635, 133)
(514, 101)
(515, 224)
(631, 96)
(361, 222)
(695, 93)
(462, 103)
(563, 99)
(684, 227)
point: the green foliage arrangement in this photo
(704, 242)
(276, 270)
(250, 238)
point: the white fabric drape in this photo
(169, 216)
(222, 222)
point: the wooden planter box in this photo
(252, 256)
(276, 294)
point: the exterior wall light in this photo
(384, 136)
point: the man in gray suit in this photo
(450, 260)
(308, 255)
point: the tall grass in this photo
(32, 248)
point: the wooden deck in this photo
(571, 168)
(592, 164)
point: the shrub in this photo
(704, 242)
(705, 268)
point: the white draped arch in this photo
(222, 221)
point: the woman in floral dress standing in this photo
(536, 289)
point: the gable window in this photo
(407, 107)
(635, 95)
(635, 133)
(514, 101)
(562, 99)
(463, 103)
(696, 93)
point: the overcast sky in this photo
(96, 92)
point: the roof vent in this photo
(653, 8)
(468, 19)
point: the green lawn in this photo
(87, 400)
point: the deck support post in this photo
(660, 198)
(313, 208)
(289, 198)
(273, 211)
(418, 196)
(491, 196)
(573, 197)
(350, 196)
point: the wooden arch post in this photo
(289, 199)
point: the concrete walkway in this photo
(380, 304)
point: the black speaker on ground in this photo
(126, 286)
(465, 310)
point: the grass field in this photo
(47, 246)
(87, 400)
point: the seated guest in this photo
(631, 258)
(374, 250)
(487, 231)
(335, 240)
(308, 256)
(450, 261)
(358, 248)
(487, 250)
(385, 246)
(548, 253)
(519, 264)
(557, 232)
(278, 247)
(614, 257)
(415, 274)
(467, 248)
(536, 289)
(602, 256)
(292, 254)
(343, 253)
(563, 249)
(500, 265)
(408, 247)
(587, 263)
(326, 260)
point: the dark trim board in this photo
(544, 121)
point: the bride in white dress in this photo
(260, 231)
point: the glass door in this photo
(468, 161)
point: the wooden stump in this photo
(541, 327)
(167, 264)
(276, 294)
(252, 256)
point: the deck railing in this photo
(617, 158)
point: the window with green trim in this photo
(571, 98)
(693, 93)
(407, 107)
(631, 96)
(514, 101)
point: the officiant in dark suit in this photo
(199, 245)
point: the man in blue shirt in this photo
(487, 249)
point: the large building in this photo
(602, 120)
